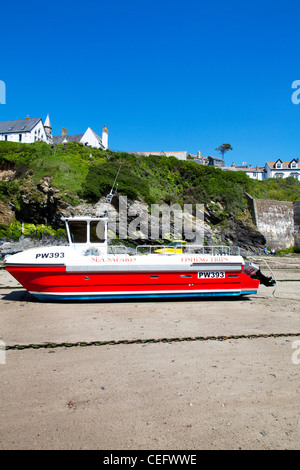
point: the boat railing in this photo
(119, 250)
(213, 250)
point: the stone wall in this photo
(297, 224)
(278, 221)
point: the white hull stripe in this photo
(155, 268)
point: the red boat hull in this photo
(55, 282)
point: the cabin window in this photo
(97, 232)
(78, 231)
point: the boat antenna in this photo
(112, 192)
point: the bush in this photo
(15, 229)
(8, 189)
(101, 177)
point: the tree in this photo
(223, 149)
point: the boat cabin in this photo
(86, 231)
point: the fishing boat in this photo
(89, 268)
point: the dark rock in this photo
(243, 235)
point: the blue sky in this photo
(167, 75)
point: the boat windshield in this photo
(97, 232)
(78, 231)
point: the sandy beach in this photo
(185, 375)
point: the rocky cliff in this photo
(44, 204)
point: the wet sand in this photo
(185, 375)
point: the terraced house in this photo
(280, 169)
(277, 169)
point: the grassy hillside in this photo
(81, 172)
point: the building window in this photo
(293, 165)
(278, 175)
(20, 137)
(5, 137)
(278, 165)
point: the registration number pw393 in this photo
(211, 274)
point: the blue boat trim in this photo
(49, 297)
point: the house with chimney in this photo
(277, 169)
(26, 130)
(89, 138)
(281, 169)
(254, 172)
(30, 130)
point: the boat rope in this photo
(148, 341)
(276, 261)
(284, 280)
(273, 275)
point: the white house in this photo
(92, 139)
(89, 138)
(280, 169)
(32, 130)
(26, 130)
(254, 172)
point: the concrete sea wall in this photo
(297, 224)
(278, 221)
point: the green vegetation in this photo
(288, 251)
(156, 179)
(78, 172)
(278, 189)
(66, 164)
(8, 190)
(16, 229)
(101, 176)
